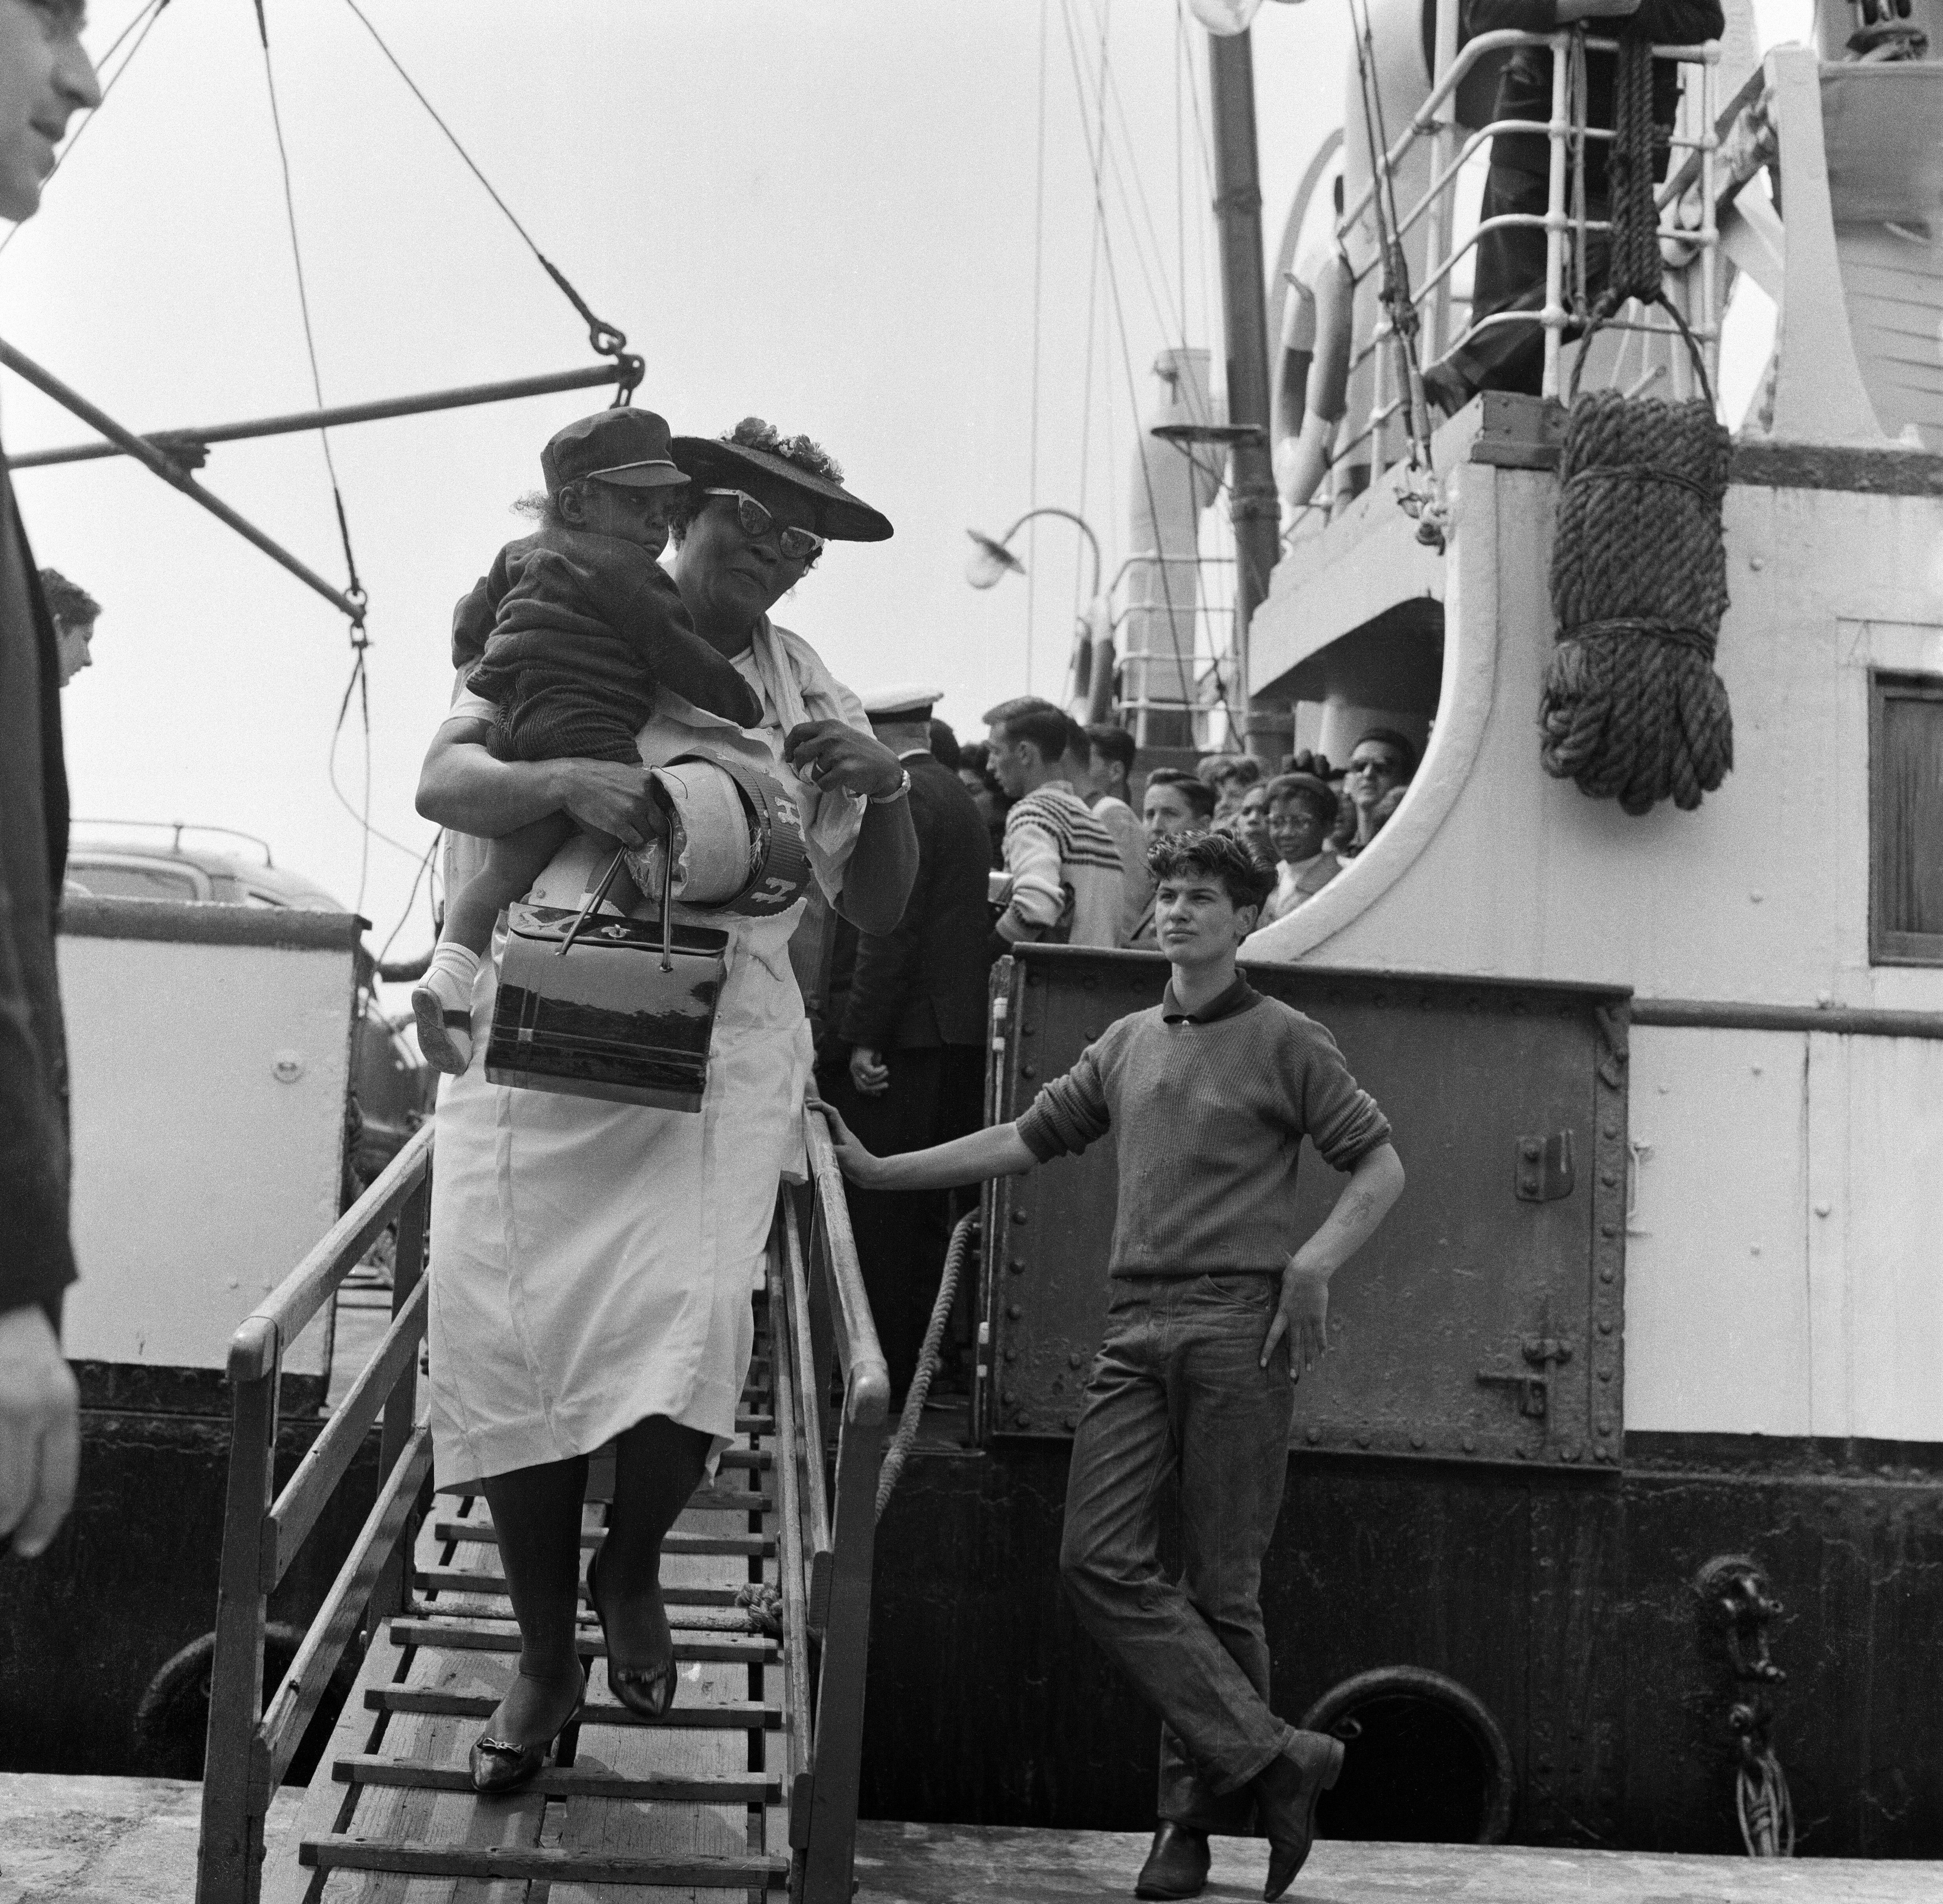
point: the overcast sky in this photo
(823, 213)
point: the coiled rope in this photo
(1632, 709)
(908, 1422)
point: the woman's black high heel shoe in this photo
(498, 1767)
(648, 1692)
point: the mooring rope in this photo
(1632, 709)
(908, 1422)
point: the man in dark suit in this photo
(44, 77)
(908, 1066)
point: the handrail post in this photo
(1553, 318)
(235, 1778)
(393, 1591)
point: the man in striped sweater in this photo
(1210, 1321)
(1067, 883)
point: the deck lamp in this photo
(991, 561)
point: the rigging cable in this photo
(145, 18)
(360, 681)
(1420, 502)
(1184, 661)
(602, 335)
(1039, 327)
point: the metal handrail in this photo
(825, 1327)
(1553, 316)
(251, 1744)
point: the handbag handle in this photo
(599, 892)
(593, 899)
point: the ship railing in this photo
(1566, 132)
(831, 1384)
(252, 1742)
(1196, 627)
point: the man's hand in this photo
(858, 1164)
(1303, 1315)
(605, 797)
(869, 1072)
(832, 754)
(40, 1432)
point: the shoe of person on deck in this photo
(1177, 1864)
(1286, 1790)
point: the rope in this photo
(761, 1605)
(1761, 1799)
(602, 335)
(901, 1442)
(353, 588)
(1635, 267)
(1632, 708)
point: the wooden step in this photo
(481, 1532)
(503, 1636)
(734, 1715)
(724, 1497)
(700, 1609)
(461, 1579)
(554, 1782)
(680, 1872)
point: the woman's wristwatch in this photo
(896, 793)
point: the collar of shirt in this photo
(1237, 997)
(1295, 868)
(915, 754)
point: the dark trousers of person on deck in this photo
(1511, 277)
(1178, 1395)
(936, 1093)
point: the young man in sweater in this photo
(1067, 881)
(1210, 1323)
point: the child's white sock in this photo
(442, 1004)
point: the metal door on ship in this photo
(1484, 1322)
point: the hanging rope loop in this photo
(1632, 710)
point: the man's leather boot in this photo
(1286, 1790)
(1177, 1864)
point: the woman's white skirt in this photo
(592, 1263)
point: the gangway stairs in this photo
(748, 1786)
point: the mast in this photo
(1254, 508)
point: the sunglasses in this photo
(798, 544)
(1373, 766)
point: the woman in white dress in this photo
(592, 1263)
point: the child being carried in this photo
(571, 632)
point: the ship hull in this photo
(1566, 1603)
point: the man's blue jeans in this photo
(1178, 1392)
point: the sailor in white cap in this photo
(909, 1063)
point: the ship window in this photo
(1906, 819)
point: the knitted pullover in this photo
(1210, 1112)
(1067, 881)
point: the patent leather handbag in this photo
(607, 1007)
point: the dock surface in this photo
(967, 1864)
(125, 1840)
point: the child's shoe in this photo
(442, 1004)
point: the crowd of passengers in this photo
(1059, 803)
